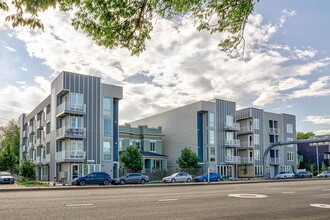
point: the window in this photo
(256, 123)
(107, 128)
(212, 137)
(107, 150)
(76, 122)
(259, 170)
(290, 156)
(229, 120)
(76, 149)
(289, 128)
(107, 106)
(211, 120)
(153, 146)
(256, 154)
(77, 101)
(229, 137)
(289, 139)
(256, 140)
(271, 139)
(120, 144)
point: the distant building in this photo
(74, 130)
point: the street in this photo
(269, 200)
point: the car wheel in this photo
(284, 177)
(204, 179)
(143, 181)
(218, 179)
(173, 181)
(325, 176)
(122, 182)
(82, 183)
(106, 182)
(188, 180)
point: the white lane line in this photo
(288, 192)
(326, 190)
(165, 200)
(248, 196)
(324, 206)
(73, 205)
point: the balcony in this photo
(66, 108)
(70, 155)
(37, 160)
(232, 126)
(245, 129)
(46, 159)
(68, 132)
(31, 130)
(39, 141)
(274, 161)
(247, 160)
(246, 145)
(232, 143)
(40, 125)
(232, 159)
(274, 131)
(31, 146)
(48, 117)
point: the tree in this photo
(27, 169)
(131, 159)
(9, 154)
(323, 167)
(303, 136)
(188, 159)
(128, 23)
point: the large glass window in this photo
(256, 123)
(76, 122)
(107, 106)
(229, 120)
(77, 101)
(289, 128)
(212, 137)
(106, 150)
(107, 128)
(153, 146)
(256, 139)
(229, 136)
(290, 156)
(211, 120)
(256, 154)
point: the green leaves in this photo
(131, 159)
(128, 23)
(188, 159)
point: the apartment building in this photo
(258, 130)
(74, 131)
(150, 143)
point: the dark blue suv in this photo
(101, 178)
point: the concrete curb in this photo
(70, 187)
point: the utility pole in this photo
(317, 158)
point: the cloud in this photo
(317, 88)
(10, 49)
(23, 69)
(322, 132)
(319, 120)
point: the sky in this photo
(285, 67)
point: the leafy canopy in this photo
(303, 136)
(188, 159)
(131, 159)
(128, 23)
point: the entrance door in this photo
(74, 171)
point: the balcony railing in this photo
(232, 126)
(67, 108)
(46, 159)
(246, 129)
(31, 129)
(274, 131)
(232, 159)
(246, 160)
(246, 145)
(37, 160)
(68, 132)
(232, 143)
(274, 160)
(30, 145)
(40, 124)
(70, 155)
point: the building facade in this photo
(150, 143)
(227, 141)
(74, 130)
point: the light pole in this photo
(317, 158)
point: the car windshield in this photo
(4, 174)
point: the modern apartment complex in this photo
(74, 130)
(227, 141)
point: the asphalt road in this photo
(272, 200)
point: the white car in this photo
(324, 174)
(285, 175)
(6, 178)
(178, 177)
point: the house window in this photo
(76, 122)
(107, 128)
(289, 139)
(256, 139)
(290, 156)
(152, 146)
(106, 150)
(212, 137)
(107, 106)
(211, 120)
(229, 120)
(77, 101)
(76, 149)
(289, 128)
(256, 123)
(256, 154)
(259, 170)
(120, 144)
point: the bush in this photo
(27, 170)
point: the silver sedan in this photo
(178, 177)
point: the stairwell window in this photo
(289, 128)
(106, 150)
(107, 128)
(211, 120)
(107, 106)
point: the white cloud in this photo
(23, 69)
(317, 88)
(319, 120)
(10, 49)
(291, 83)
(322, 132)
(305, 54)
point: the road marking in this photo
(326, 190)
(73, 205)
(248, 196)
(288, 192)
(165, 200)
(324, 206)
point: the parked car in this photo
(6, 178)
(101, 178)
(131, 178)
(285, 175)
(324, 174)
(178, 177)
(204, 178)
(304, 174)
